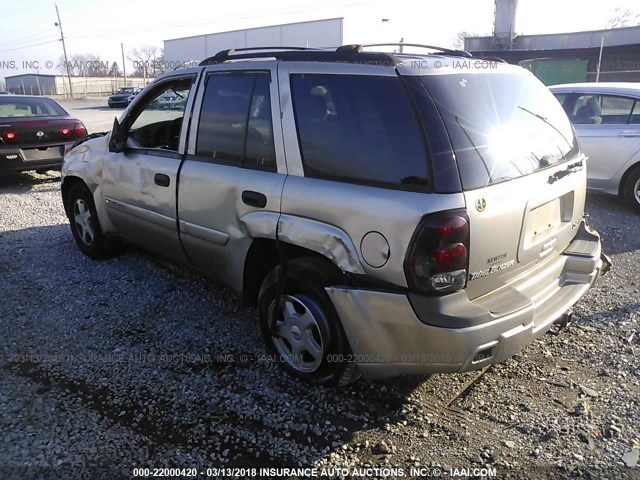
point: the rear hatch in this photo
(520, 166)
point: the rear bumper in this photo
(389, 338)
(22, 159)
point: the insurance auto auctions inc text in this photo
(356, 472)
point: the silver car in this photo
(387, 213)
(606, 117)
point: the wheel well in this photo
(261, 258)
(626, 174)
(66, 187)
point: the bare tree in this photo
(114, 70)
(623, 18)
(148, 61)
(458, 40)
(85, 64)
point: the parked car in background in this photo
(35, 133)
(606, 117)
(123, 96)
(387, 213)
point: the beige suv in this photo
(388, 213)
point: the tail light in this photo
(65, 132)
(10, 136)
(438, 257)
(80, 130)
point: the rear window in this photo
(11, 107)
(359, 129)
(502, 125)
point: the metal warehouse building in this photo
(329, 32)
(611, 55)
(619, 60)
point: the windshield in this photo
(502, 125)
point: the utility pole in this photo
(124, 65)
(64, 49)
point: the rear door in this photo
(230, 180)
(520, 167)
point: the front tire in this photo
(632, 188)
(85, 226)
(302, 329)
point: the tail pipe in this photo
(606, 263)
(565, 319)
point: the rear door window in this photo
(602, 109)
(359, 129)
(235, 125)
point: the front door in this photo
(140, 183)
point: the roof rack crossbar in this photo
(223, 55)
(311, 55)
(358, 48)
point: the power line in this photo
(29, 46)
(36, 37)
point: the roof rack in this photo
(344, 54)
(223, 55)
(358, 48)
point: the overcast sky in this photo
(28, 32)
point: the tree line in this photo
(148, 61)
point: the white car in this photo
(606, 117)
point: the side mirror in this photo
(118, 139)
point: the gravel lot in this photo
(106, 366)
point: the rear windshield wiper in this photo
(548, 123)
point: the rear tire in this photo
(85, 226)
(304, 331)
(632, 188)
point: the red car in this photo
(35, 133)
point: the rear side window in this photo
(359, 129)
(602, 109)
(29, 107)
(235, 125)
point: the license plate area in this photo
(545, 221)
(50, 153)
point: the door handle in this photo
(162, 180)
(254, 199)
